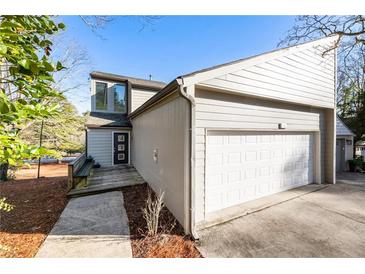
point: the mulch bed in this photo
(37, 207)
(171, 242)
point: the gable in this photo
(341, 128)
(299, 74)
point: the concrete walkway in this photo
(329, 222)
(90, 226)
(352, 178)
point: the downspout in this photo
(191, 101)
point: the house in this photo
(225, 135)
(344, 145)
(360, 149)
(113, 98)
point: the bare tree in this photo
(97, 22)
(350, 31)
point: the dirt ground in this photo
(169, 243)
(47, 170)
(37, 206)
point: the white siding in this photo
(99, 145)
(165, 128)
(139, 97)
(303, 77)
(216, 110)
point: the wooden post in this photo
(40, 145)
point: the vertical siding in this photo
(165, 128)
(140, 96)
(304, 77)
(227, 111)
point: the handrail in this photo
(73, 167)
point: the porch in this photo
(107, 179)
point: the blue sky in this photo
(171, 46)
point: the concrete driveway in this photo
(329, 222)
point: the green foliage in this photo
(26, 79)
(62, 132)
(4, 206)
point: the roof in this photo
(136, 82)
(186, 79)
(341, 128)
(360, 143)
(283, 49)
(103, 119)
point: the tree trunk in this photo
(4, 171)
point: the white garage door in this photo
(243, 166)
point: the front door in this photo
(121, 149)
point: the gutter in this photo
(191, 101)
(178, 86)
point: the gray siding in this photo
(216, 110)
(303, 77)
(99, 145)
(165, 128)
(139, 97)
(341, 128)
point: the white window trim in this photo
(129, 146)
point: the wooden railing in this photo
(73, 168)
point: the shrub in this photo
(152, 211)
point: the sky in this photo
(168, 47)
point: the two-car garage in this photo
(232, 133)
(243, 166)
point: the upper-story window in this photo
(120, 98)
(101, 96)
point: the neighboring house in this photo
(344, 145)
(360, 149)
(221, 136)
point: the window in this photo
(120, 98)
(101, 96)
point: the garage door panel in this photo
(245, 166)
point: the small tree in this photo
(62, 132)
(26, 91)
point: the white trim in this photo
(129, 146)
(290, 130)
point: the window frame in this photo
(110, 95)
(125, 84)
(96, 82)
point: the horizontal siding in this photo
(341, 129)
(139, 97)
(164, 128)
(216, 110)
(303, 77)
(99, 145)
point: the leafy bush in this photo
(4, 206)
